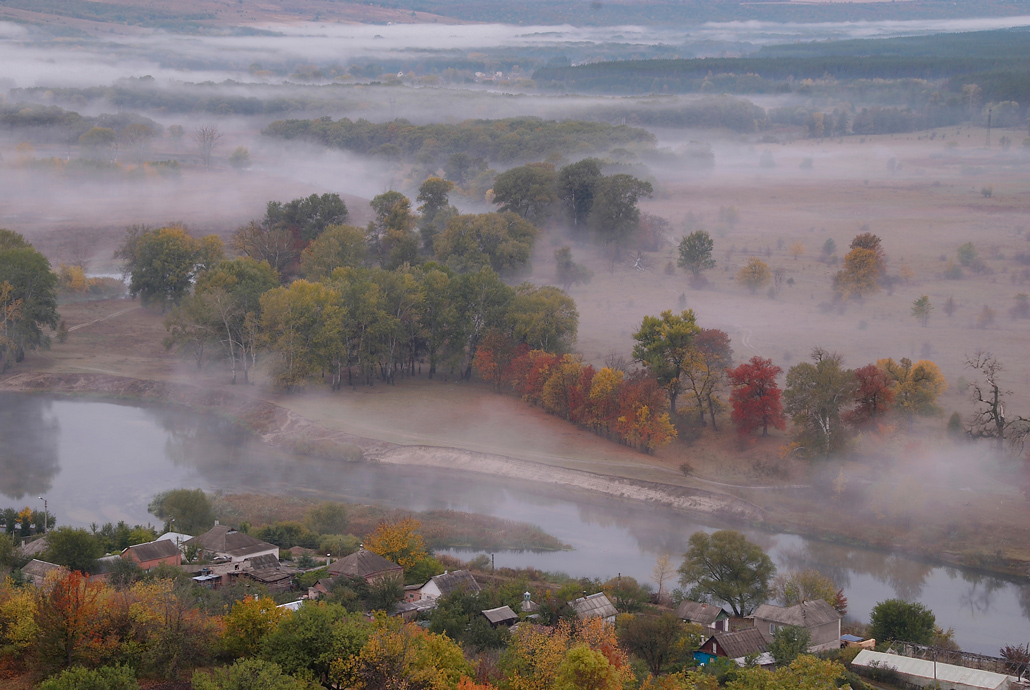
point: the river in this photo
(103, 462)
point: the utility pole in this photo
(46, 517)
(988, 128)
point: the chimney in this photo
(216, 523)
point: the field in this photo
(907, 488)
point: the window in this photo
(772, 628)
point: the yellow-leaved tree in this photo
(916, 387)
(399, 541)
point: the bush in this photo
(248, 674)
(103, 678)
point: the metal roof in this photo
(594, 606)
(363, 563)
(696, 612)
(500, 614)
(455, 579)
(956, 676)
(739, 644)
(153, 550)
(807, 614)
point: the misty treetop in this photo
(28, 298)
(505, 141)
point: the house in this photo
(177, 538)
(221, 541)
(821, 620)
(705, 615)
(409, 610)
(502, 615)
(36, 571)
(154, 553)
(267, 570)
(35, 548)
(442, 585)
(367, 565)
(924, 672)
(738, 646)
(595, 606)
(105, 566)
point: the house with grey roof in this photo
(442, 585)
(705, 615)
(502, 615)
(153, 554)
(821, 620)
(36, 571)
(369, 566)
(595, 606)
(221, 541)
(740, 646)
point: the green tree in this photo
(247, 625)
(796, 587)
(817, 397)
(74, 548)
(391, 236)
(311, 639)
(481, 301)
(98, 143)
(967, 254)
(545, 318)
(103, 678)
(327, 517)
(528, 190)
(248, 674)
(696, 253)
(190, 510)
(501, 241)
(338, 245)
(755, 275)
(435, 209)
(614, 214)
(662, 346)
(303, 327)
(240, 158)
(896, 619)
(726, 567)
(656, 640)
(789, 643)
(307, 217)
(163, 263)
(567, 271)
(921, 309)
(576, 186)
(28, 298)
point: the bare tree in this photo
(662, 571)
(138, 137)
(989, 418)
(206, 138)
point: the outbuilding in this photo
(925, 673)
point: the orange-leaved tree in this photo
(399, 541)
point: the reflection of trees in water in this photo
(979, 597)
(29, 436)
(1024, 600)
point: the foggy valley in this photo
(700, 302)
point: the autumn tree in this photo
(864, 266)
(28, 298)
(874, 395)
(98, 143)
(614, 214)
(705, 369)
(755, 397)
(500, 241)
(568, 272)
(528, 191)
(544, 318)
(797, 249)
(247, 625)
(915, 387)
(662, 346)
(795, 587)
(391, 236)
(434, 209)
(162, 264)
(921, 310)
(726, 567)
(400, 655)
(302, 326)
(695, 253)
(336, 246)
(990, 419)
(755, 275)
(818, 397)
(398, 540)
(69, 614)
(305, 218)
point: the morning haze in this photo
(665, 303)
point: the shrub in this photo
(103, 678)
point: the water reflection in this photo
(103, 462)
(29, 434)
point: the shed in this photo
(705, 615)
(502, 615)
(594, 606)
(856, 641)
(921, 672)
(737, 645)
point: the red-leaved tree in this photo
(874, 396)
(756, 397)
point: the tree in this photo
(500, 241)
(327, 518)
(68, 616)
(915, 387)
(303, 326)
(614, 215)
(274, 245)
(818, 397)
(73, 547)
(788, 643)
(755, 275)
(864, 266)
(313, 639)
(797, 249)
(528, 191)
(949, 306)
(462, 168)
(247, 674)
(138, 137)
(544, 318)
(921, 309)
(755, 397)
(399, 541)
(662, 346)
(989, 418)
(902, 621)
(103, 678)
(305, 218)
(569, 273)
(206, 138)
(28, 298)
(660, 573)
(97, 143)
(797, 587)
(336, 246)
(576, 186)
(247, 625)
(654, 639)
(874, 395)
(240, 158)
(435, 210)
(828, 249)
(403, 655)
(586, 669)
(704, 369)
(696, 253)
(725, 566)
(163, 263)
(967, 254)
(190, 509)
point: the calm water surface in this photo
(101, 462)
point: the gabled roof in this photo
(362, 563)
(37, 568)
(153, 550)
(807, 614)
(502, 614)
(739, 644)
(457, 579)
(947, 674)
(269, 575)
(34, 548)
(224, 539)
(106, 564)
(265, 560)
(594, 606)
(703, 614)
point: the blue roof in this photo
(850, 638)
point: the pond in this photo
(103, 462)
